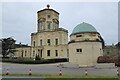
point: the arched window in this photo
(40, 42)
(48, 16)
(41, 23)
(34, 43)
(49, 25)
(55, 23)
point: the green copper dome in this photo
(83, 27)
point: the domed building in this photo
(85, 45)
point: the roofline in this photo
(53, 30)
(83, 32)
(83, 41)
(48, 9)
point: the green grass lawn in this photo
(67, 77)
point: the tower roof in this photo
(83, 27)
(48, 8)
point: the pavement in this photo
(54, 69)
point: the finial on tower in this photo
(48, 6)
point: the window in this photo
(78, 50)
(48, 16)
(38, 52)
(41, 52)
(48, 41)
(33, 53)
(41, 42)
(87, 39)
(56, 52)
(25, 53)
(108, 53)
(41, 25)
(49, 25)
(30, 54)
(34, 43)
(67, 52)
(56, 41)
(48, 52)
(55, 25)
(22, 53)
(78, 35)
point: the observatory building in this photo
(85, 45)
(51, 42)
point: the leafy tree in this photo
(8, 46)
(118, 47)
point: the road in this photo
(20, 78)
(53, 69)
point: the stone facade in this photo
(23, 52)
(85, 47)
(110, 50)
(49, 41)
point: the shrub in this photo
(109, 59)
(37, 57)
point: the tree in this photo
(118, 45)
(8, 46)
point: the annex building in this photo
(50, 41)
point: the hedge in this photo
(109, 59)
(42, 61)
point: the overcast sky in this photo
(19, 20)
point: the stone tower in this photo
(48, 19)
(49, 41)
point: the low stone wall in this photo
(105, 65)
(101, 65)
(70, 65)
